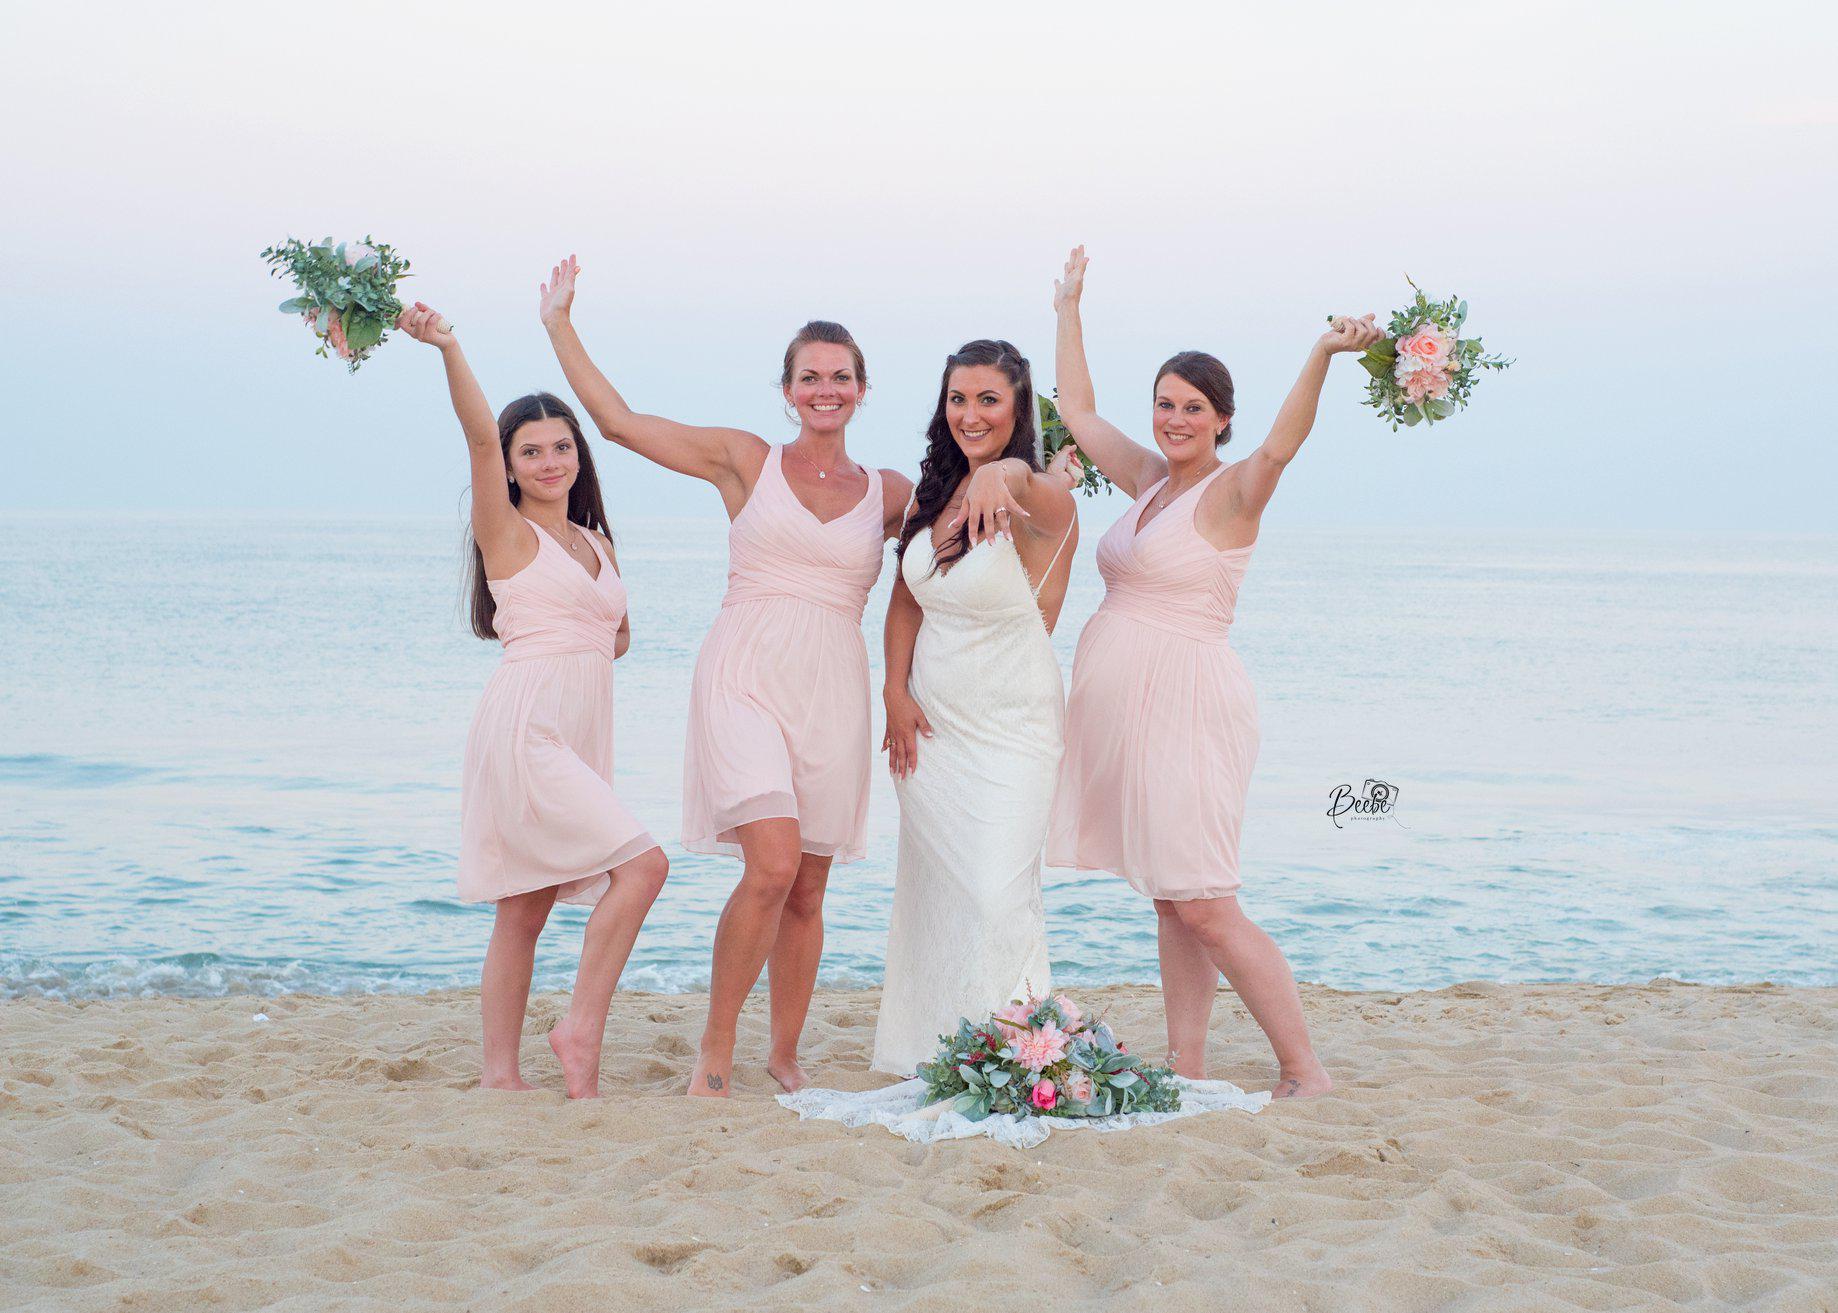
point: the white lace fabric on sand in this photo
(897, 1108)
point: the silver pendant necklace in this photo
(821, 473)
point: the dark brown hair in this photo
(1213, 380)
(822, 330)
(584, 505)
(945, 465)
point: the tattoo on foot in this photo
(714, 1081)
(1288, 1089)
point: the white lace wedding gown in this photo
(968, 932)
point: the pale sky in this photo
(1637, 200)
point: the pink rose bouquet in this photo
(1043, 1058)
(346, 292)
(1424, 370)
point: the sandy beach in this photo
(1489, 1148)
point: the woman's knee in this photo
(647, 871)
(1211, 919)
(806, 897)
(524, 915)
(771, 873)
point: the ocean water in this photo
(229, 760)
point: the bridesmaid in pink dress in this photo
(539, 819)
(1161, 723)
(776, 766)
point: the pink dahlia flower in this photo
(1035, 1049)
(1016, 1013)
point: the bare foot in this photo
(504, 1083)
(579, 1055)
(713, 1074)
(1302, 1083)
(787, 1073)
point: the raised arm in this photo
(1129, 465)
(728, 458)
(496, 525)
(1255, 477)
(906, 722)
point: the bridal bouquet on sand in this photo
(1032, 1068)
(1043, 1058)
(347, 292)
(1424, 370)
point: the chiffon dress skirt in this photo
(968, 931)
(537, 805)
(779, 718)
(1161, 722)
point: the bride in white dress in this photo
(975, 706)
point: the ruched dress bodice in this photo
(779, 714)
(537, 804)
(1161, 722)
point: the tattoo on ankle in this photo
(714, 1081)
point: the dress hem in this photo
(1189, 895)
(594, 882)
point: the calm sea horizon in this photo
(230, 747)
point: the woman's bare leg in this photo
(1256, 968)
(744, 937)
(504, 984)
(792, 971)
(606, 943)
(1190, 983)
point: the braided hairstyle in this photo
(945, 464)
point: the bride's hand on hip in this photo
(906, 724)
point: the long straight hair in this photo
(585, 507)
(945, 464)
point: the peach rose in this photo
(1079, 1088)
(1428, 347)
(336, 334)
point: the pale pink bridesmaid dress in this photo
(537, 806)
(779, 720)
(1161, 723)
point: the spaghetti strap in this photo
(1047, 573)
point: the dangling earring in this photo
(790, 414)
